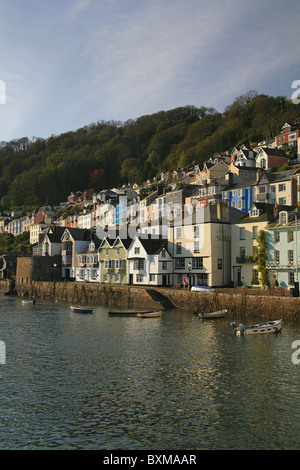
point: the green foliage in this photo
(20, 243)
(108, 154)
(261, 257)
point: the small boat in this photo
(218, 314)
(79, 309)
(202, 289)
(126, 313)
(149, 314)
(261, 328)
(28, 301)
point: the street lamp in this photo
(189, 267)
(54, 266)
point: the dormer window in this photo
(283, 218)
(254, 212)
(92, 246)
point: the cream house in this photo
(201, 246)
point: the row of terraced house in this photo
(200, 228)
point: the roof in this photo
(153, 246)
(273, 152)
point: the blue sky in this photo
(68, 63)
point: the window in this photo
(106, 251)
(163, 253)
(179, 263)
(242, 233)
(219, 263)
(242, 252)
(108, 264)
(255, 274)
(196, 231)
(196, 247)
(261, 189)
(136, 250)
(152, 277)
(277, 237)
(94, 274)
(164, 265)
(254, 212)
(277, 256)
(254, 231)
(81, 274)
(291, 278)
(138, 264)
(282, 218)
(139, 278)
(282, 201)
(197, 263)
(118, 251)
(282, 187)
(178, 248)
(291, 256)
(263, 163)
(178, 232)
(290, 236)
(118, 263)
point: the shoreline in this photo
(239, 305)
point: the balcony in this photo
(277, 265)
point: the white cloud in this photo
(68, 64)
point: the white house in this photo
(149, 262)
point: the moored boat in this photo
(218, 314)
(202, 289)
(126, 313)
(261, 328)
(79, 309)
(149, 314)
(28, 301)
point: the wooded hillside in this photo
(35, 171)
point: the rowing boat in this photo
(218, 314)
(149, 314)
(79, 309)
(126, 313)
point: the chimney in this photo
(258, 174)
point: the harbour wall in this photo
(239, 306)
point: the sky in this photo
(69, 63)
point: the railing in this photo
(277, 265)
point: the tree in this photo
(97, 180)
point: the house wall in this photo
(248, 243)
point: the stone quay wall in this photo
(239, 306)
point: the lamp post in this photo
(189, 267)
(54, 266)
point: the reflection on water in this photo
(74, 381)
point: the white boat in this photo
(79, 309)
(218, 314)
(261, 328)
(202, 289)
(28, 301)
(149, 314)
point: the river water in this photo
(76, 381)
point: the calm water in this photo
(74, 381)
